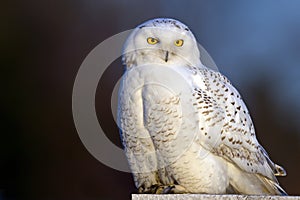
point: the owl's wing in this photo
(220, 105)
(136, 140)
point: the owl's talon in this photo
(174, 189)
(153, 189)
(168, 189)
(162, 189)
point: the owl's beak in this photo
(167, 56)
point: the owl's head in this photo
(163, 41)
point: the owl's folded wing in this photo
(227, 129)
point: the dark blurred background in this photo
(254, 43)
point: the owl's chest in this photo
(164, 96)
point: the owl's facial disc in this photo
(163, 45)
(156, 43)
(165, 41)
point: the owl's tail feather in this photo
(242, 182)
(272, 186)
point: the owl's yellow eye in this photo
(179, 42)
(152, 40)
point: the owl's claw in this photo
(162, 189)
(169, 189)
(153, 189)
(174, 189)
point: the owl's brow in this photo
(179, 31)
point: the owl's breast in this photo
(168, 113)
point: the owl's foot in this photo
(153, 189)
(174, 189)
(162, 189)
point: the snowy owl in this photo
(184, 127)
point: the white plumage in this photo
(184, 127)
